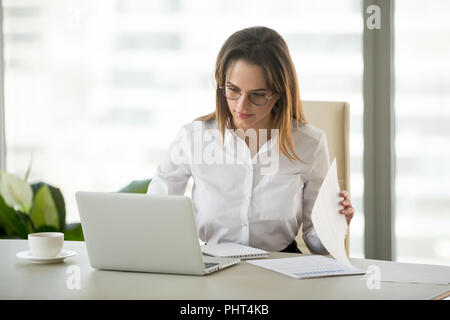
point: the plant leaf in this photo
(58, 199)
(16, 192)
(136, 186)
(44, 228)
(44, 210)
(25, 220)
(74, 232)
(10, 221)
(27, 174)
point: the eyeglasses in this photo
(259, 99)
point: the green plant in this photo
(27, 208)
(136, 186)
(40, 207)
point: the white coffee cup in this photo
(46, 244)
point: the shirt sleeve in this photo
(321, 163)
(174, 171)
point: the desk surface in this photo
(23, 280)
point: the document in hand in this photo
(233, 250)
(331, 228)
(330, 225)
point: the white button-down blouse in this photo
(234, 199)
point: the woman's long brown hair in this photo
(263, 47)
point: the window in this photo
(95, 90)
(422, 100)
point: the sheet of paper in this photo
(308, 266)
(330, 225)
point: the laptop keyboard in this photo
(210, 264)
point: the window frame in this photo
(379, 135)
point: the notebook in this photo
(233, 250)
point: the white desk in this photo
(23, 280)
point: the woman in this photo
(258, 113)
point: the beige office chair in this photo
(333, 118)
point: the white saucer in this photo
(28, 256)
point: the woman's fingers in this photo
(348, 214)
(348, 211)
(346, 201)
(349, 219)
(344, 193)
(346, 204)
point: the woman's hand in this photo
(346, 203)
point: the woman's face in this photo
(248, 78)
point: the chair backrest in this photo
(333, 118)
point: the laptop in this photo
(142, 233)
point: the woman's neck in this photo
(261, 138)
(266, 123)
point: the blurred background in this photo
(96, 90)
